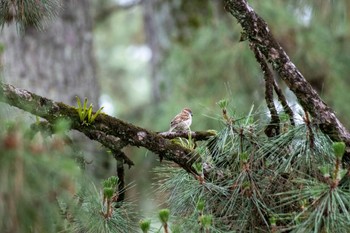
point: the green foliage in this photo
(200, 205)
(197, 222)
(290, 182)
(145, 225)
(43, 189)
(36, 175)
(85, 113)
(175, 228)
(111, 182)
(164, 215)
(206, 221)
(339, 149)
(94, 219)
(187, 143)
(325, 207)
(223, 104)
(109, 196)
(61, 126)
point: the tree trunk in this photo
(56, 62)
(166, 22)
(157, 24)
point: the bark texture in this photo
(260, 36)
(105, 129)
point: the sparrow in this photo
(181, 121)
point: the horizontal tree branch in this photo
(258, 33)
(198, 135)
(105, 129)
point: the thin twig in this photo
(284, 102)
(121, 176)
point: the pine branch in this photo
(259, 34)
(28, 13)
(104, 127)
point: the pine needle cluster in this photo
(43, 188)
(28, 13)
(292, 182)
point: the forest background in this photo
(149, 59)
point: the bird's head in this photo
(187, 111)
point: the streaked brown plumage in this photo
(181, 121)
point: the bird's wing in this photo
(176, 120)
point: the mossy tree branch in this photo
(259, 34)
(198, 135)
(107, 130)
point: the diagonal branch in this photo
(273, 128)
(259, 34)
(284, 102)
(103, 127)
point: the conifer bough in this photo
(258, 34)
(115, 134)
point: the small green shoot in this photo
(187, 143)
(200, 205)
(109, 195)
(198, 167)
(339, 149)
(85, 113)
(164, 215)
(145, 225)
(244, 157)
(325, 170)
(272, 221)
(223, 105)
(206, 221)
(110, 182)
